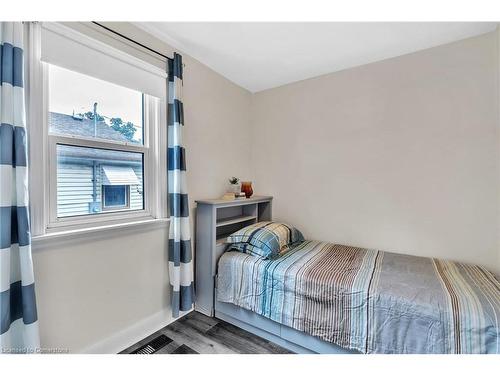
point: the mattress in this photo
(369, 300)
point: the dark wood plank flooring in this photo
(196, 333)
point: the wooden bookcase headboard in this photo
(215, 220)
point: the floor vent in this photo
(154, 345)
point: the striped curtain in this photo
(19, 323)
(179, 240)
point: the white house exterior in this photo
(94, 180)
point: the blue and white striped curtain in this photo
(19, 323)
(179, 240)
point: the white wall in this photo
(90, 292)
(399, 155)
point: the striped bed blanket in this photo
(368, 300)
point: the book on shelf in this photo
(231, 196)
(228, 196)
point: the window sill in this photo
(97, 231)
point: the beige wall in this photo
(91, 290)
(399, 155)
(498, 122)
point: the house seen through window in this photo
(101, 174)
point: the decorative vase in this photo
(233, 188)
(246, 187)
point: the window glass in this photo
(115, 196)
(93, 180)
(87, 107)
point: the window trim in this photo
(43, 158)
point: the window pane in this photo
(115, 196)
(92, 180)
(84, 106)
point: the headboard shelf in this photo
(235, 220)
(215, 220)
(235, 202)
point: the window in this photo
(105, 158)
(84, 174)
(83, 106)
(86, 117)
(115, 196)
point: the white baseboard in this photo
(132, 334)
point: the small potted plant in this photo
(234, 185)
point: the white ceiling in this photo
(259, 56)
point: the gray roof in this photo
(67, 124)
(72, 154)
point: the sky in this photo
(70, 91)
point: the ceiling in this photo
(259, 56)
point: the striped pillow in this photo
(246, 248)
(267, 239)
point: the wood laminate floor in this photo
(196, 333)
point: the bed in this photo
(330, 298)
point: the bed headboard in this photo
(215, 220)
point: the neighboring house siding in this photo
(74, 189)
(136, 191)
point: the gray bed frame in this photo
(289, 338)
(214, 220)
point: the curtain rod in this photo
(131, 40)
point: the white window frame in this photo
(43, 156)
